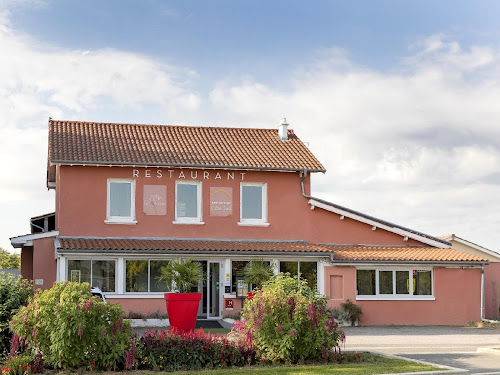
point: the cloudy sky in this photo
(400, 100)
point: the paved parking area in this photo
(450, 346)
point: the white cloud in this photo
(413, 146)
(38, 81)
(417, 146)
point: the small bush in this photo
(20, 365)
(351, 311)
(73, 329)
(170, 351)
(14, 293)
(287, 321)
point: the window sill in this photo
(402, 298)
(188, 222)
(254, 224)
(135, 295)
(116, 221)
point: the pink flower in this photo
(80, 332)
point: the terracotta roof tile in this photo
(344, 253)
(188, 246)
(75, 142)
(402, 254)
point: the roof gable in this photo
(91, 143)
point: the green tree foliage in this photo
(9, 261)
(287, 321)
(14, 292)
(72, 328)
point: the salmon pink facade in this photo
(130, 198)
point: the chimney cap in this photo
(284, 122)
(283, 130)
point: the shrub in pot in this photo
(182, 307)
(351, 311)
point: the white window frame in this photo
(254, 222)
(120, 219)
(394, 296)
(91, 259)
(190, 220)
(149, 292)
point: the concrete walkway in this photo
(450, 346)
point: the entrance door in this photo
(210, 306)
(213, 290)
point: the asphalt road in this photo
(450, 346)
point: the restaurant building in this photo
(129, 198)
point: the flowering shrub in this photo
(73, 329)
(287, 321)
(14, 292)
(170, 350)
(19, 365)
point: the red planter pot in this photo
(182, 309)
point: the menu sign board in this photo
(221, 201)
(155, 200)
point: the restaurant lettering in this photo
(187, 174)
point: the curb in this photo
(148, 323)
(448, 369)
(491, 349)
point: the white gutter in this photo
(27, 240)
(482, 292)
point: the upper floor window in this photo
(188, 202)
(121, 201)
(253, 204)
(394, 283)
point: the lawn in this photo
(377, 365)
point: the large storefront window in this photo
(237, 267)
(98, 273)
(142, 276)
(306, 270)
(385, 283)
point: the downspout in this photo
(302, 178)
(482, 291)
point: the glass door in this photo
(213, 290)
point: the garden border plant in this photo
(173, 350)
(14, 293)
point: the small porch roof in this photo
(397, 254)
(139, 246)
(336, 253)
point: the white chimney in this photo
(283, 130)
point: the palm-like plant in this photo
(185, 274)
(256, 272)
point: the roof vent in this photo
(283, 130)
